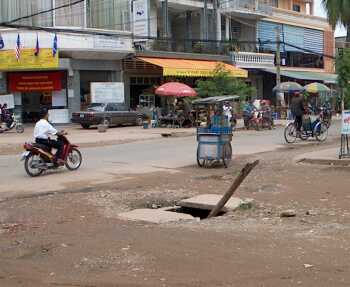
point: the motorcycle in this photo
(326, 116)
(254, 120)
(39, 158)
(11, 124)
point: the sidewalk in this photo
(328, 156)
(11, 142)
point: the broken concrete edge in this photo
(156, 216)
(209, 201)
(168, 214)
(334, 162)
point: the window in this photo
(112, 107)
(12, 9)
(70, 16)
(296, 8)
(274, 3)
(109, 14)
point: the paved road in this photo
(110, 163)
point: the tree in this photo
(343, 71)
(222, 83)
(338, 11)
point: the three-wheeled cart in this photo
(214, 135)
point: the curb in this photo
(332, 162)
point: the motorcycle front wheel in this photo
(74, 159)
(33, 165)
(19, 129)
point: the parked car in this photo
(109, 114)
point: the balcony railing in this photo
(198, 47)
(253, 60)
(259, 7)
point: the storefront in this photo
(146, 73)
(34, 91)
(35, 81)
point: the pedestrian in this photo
(298, 110)
(227, 109)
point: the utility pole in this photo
(278, 56)
(165, 19)
(205, 20)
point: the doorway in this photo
(33, 103)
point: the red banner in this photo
(35, 82)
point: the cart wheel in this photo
(227, 154)
(200, 162)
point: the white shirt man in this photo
(43, 129)
(228, 112)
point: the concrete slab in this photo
(154, 216)
(208, 202)
(324, 157)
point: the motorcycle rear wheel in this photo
(74, 159)
(32, 165)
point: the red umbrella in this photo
(175, 89)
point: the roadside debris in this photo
(288, 213)
(235, 185)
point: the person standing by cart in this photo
(298, 110)
(227, 110)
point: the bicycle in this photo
(316, 128)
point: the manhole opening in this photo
(195, 212)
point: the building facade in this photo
(246, 31)
(116, 40)
(92, 39)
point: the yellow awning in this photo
(192, 68)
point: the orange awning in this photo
(192, 68)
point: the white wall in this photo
(67, 41)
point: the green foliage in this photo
(222, 83)
(343, 71)
(338, 11)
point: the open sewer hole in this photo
(195, 212)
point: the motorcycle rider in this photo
(6, 116)
(248, 111)
(42, 130)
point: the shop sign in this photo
(140, 19)
(109, 43)
(35, 82)
(110, 92)
(345, 126)
(28, 61)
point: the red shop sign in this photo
(35, 82)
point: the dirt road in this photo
(76, 238)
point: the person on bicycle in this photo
(298, 110)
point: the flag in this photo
(54, 48)
(37, 48)
(2, 43)
(18, 48)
